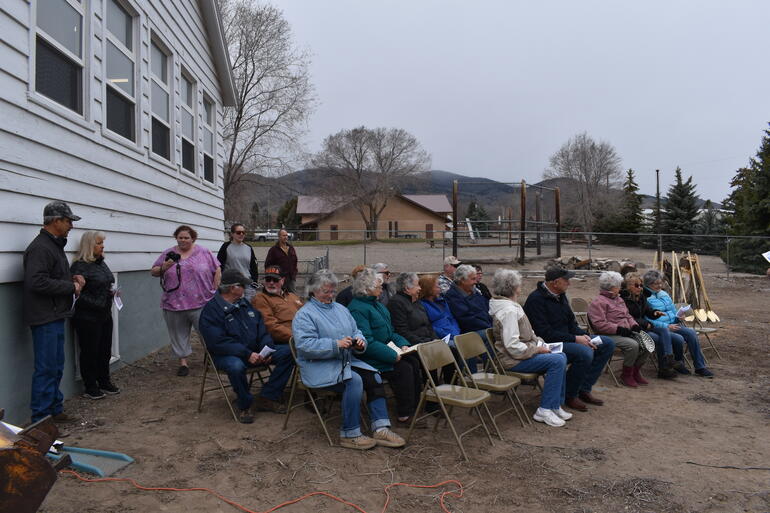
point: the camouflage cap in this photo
(59, 209)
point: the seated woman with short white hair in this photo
(520, 350)
(609, 316)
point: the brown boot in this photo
(666, 370)
(638, 376)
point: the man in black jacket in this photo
(49, 293)
(552, 319)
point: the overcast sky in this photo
(493, 88)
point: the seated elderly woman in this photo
(328, 346)
(520, 350)
(407, 313)
(373, 319)
(609, 316)
(669, 325)
(638, 307)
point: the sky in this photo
(494, 88)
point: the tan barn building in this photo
(417, 216)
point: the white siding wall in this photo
(48, 152)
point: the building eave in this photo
(212, 18)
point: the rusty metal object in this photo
(26, 475)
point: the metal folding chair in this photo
(433, 356)
(527, 378)
(470, 345)
(216, 382)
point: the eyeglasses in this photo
(239, 232)
(272, 279)
(386, 273)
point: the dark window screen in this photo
(57, 77)
(120, 114)
(188, 156)
(160, 137)
(208, 168)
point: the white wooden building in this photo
(114, 106)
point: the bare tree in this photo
(275, 96)
(595, 169)
(366, 167)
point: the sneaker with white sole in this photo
(357, 442)
(388, 438)
(563, 415)
(548, 417)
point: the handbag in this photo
(644, 340)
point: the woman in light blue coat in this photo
(669, 325)
(328, 342)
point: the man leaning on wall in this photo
(49, 294)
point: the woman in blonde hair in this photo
(93, 316)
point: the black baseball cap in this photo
(235, 277)
(554, 273)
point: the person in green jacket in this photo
(373, 319)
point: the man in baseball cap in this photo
(276, 305)
(236, 338)
(553, 320)
(446, 278)
(49, 290)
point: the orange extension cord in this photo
(458, 494)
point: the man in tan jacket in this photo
(276, 305)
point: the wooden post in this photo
(523, 222)
(455, 208)
(510, 227)
(538, 218)
(657, 217)
(557, 207)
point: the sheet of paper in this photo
(266, 351)
(447, 338)
(766, 254)
(118, 303)
(597, 340)
(556, 347)
(683, 311)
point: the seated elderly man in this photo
(446, 278)
(235, 334)
(277, 306)
(328, 346)
(552, 319)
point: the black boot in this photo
(666, 368)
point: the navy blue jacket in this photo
(233, 329)
(471, 311)
(551, 318)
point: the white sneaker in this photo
(563, 415)
(549, 417)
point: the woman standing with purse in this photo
(93, 316)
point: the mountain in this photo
(496, 197)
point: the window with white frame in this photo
(187, 93)
(120, 94)
(59, 50)
(160, 100)
(209, 125)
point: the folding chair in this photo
(580, 309)
(527, 378)
(471, 345)
(700, 329)
(433, 356)
(219, 384)
(314, 394)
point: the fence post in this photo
(590, 244)
(366, 236)
(660, 250)
(523, 222)
(538, 218)
(728, 257)
(455, 209)
(557, 207)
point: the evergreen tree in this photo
(287, 215)
(680, 213)
(710, 223)
(631, 206)
(748, 209)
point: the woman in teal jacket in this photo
(373, 319)
(669, 325)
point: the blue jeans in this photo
(48, 341)
(352, 391)
(235, 367)
(690, 337)
(587, 365)
(554, 365)
(473, 362)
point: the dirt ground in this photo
(653, 449)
